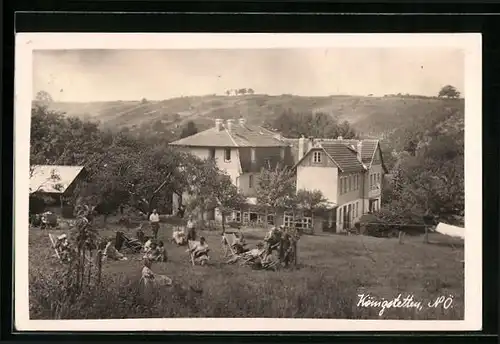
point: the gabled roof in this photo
(240, 135)
(344, 156)
(53, 178)
(368, 147)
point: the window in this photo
(227, 154)
(341, 185)
(288, 220)
(246, 217)
(267, 163)
(237, 216)
(345, 185)
(305, 222)
(350, 183)
(317, 157)
(250, 181)
(211, 153)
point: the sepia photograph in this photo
(265, 181)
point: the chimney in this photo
(242, 121)
(302, 146)
(358, 149)
(310, 143)
(218, 124)
(229, 124)
(339, 138)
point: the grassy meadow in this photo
(332, 271)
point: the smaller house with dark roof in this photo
(349, 173)
(52, 186)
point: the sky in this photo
(106, 75)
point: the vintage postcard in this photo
(248, 182)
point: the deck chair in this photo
(121, 240)
(53, 241)
(227, 241)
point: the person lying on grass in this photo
(253, 255)
(110, 252)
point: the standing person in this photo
(181, 211)
(191, 231)
(154, 219)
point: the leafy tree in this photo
(250, 91)
(311, 201)
(144, 101)
(189, 129)
(227, 197)
(44, 97)
(293, 124)
(57, 140)
(275, 189)
(449, 91)
(432, 181)
(242, 91)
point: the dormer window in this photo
(227, 154)
(317, 157)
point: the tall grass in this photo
(333, 271)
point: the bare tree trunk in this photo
(266, 224)
(426, 235)
(401, 235)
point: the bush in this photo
(386, 223)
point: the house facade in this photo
(349, 173)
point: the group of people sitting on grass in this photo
(277, 239)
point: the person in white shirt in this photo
(154, 219)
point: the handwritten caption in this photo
(409, 302)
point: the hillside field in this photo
(370, 116)
(332, 271)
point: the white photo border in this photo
(471, 44)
